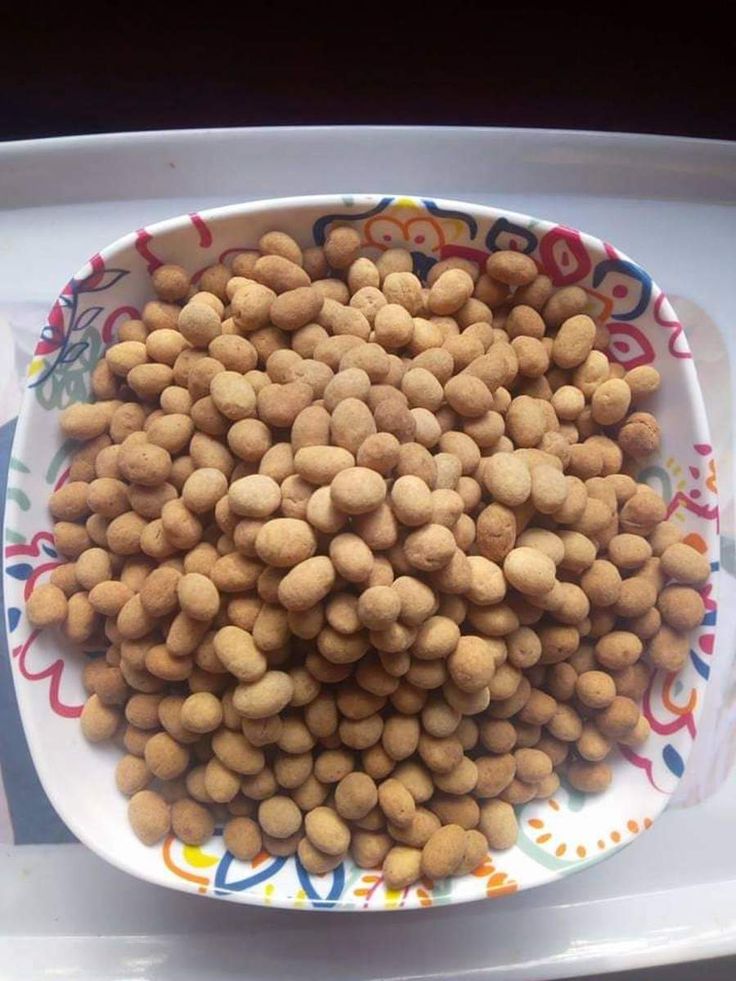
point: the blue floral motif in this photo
(334, 893)
(437, 212)
(223, 886)
(504, 227)
(319, 229)
(71, 341)
(632, 271)
(673, 760)
(22, 571)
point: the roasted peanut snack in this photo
(365, 555)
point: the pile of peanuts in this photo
(366, 555)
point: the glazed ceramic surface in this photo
(558, 836)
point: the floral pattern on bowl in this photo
(557, 836)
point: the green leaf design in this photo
(58, 459)
(69, 381)
(20, 498)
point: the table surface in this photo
(671, 895)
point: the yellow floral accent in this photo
(199, 859)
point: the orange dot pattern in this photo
(581, 850)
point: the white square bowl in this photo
(559, 836)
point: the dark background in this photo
(120, 68)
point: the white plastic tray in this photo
(671, 896)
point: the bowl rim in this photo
(696, 408)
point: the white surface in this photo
(651, 904)
(672, 894)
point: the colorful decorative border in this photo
(555, 838)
